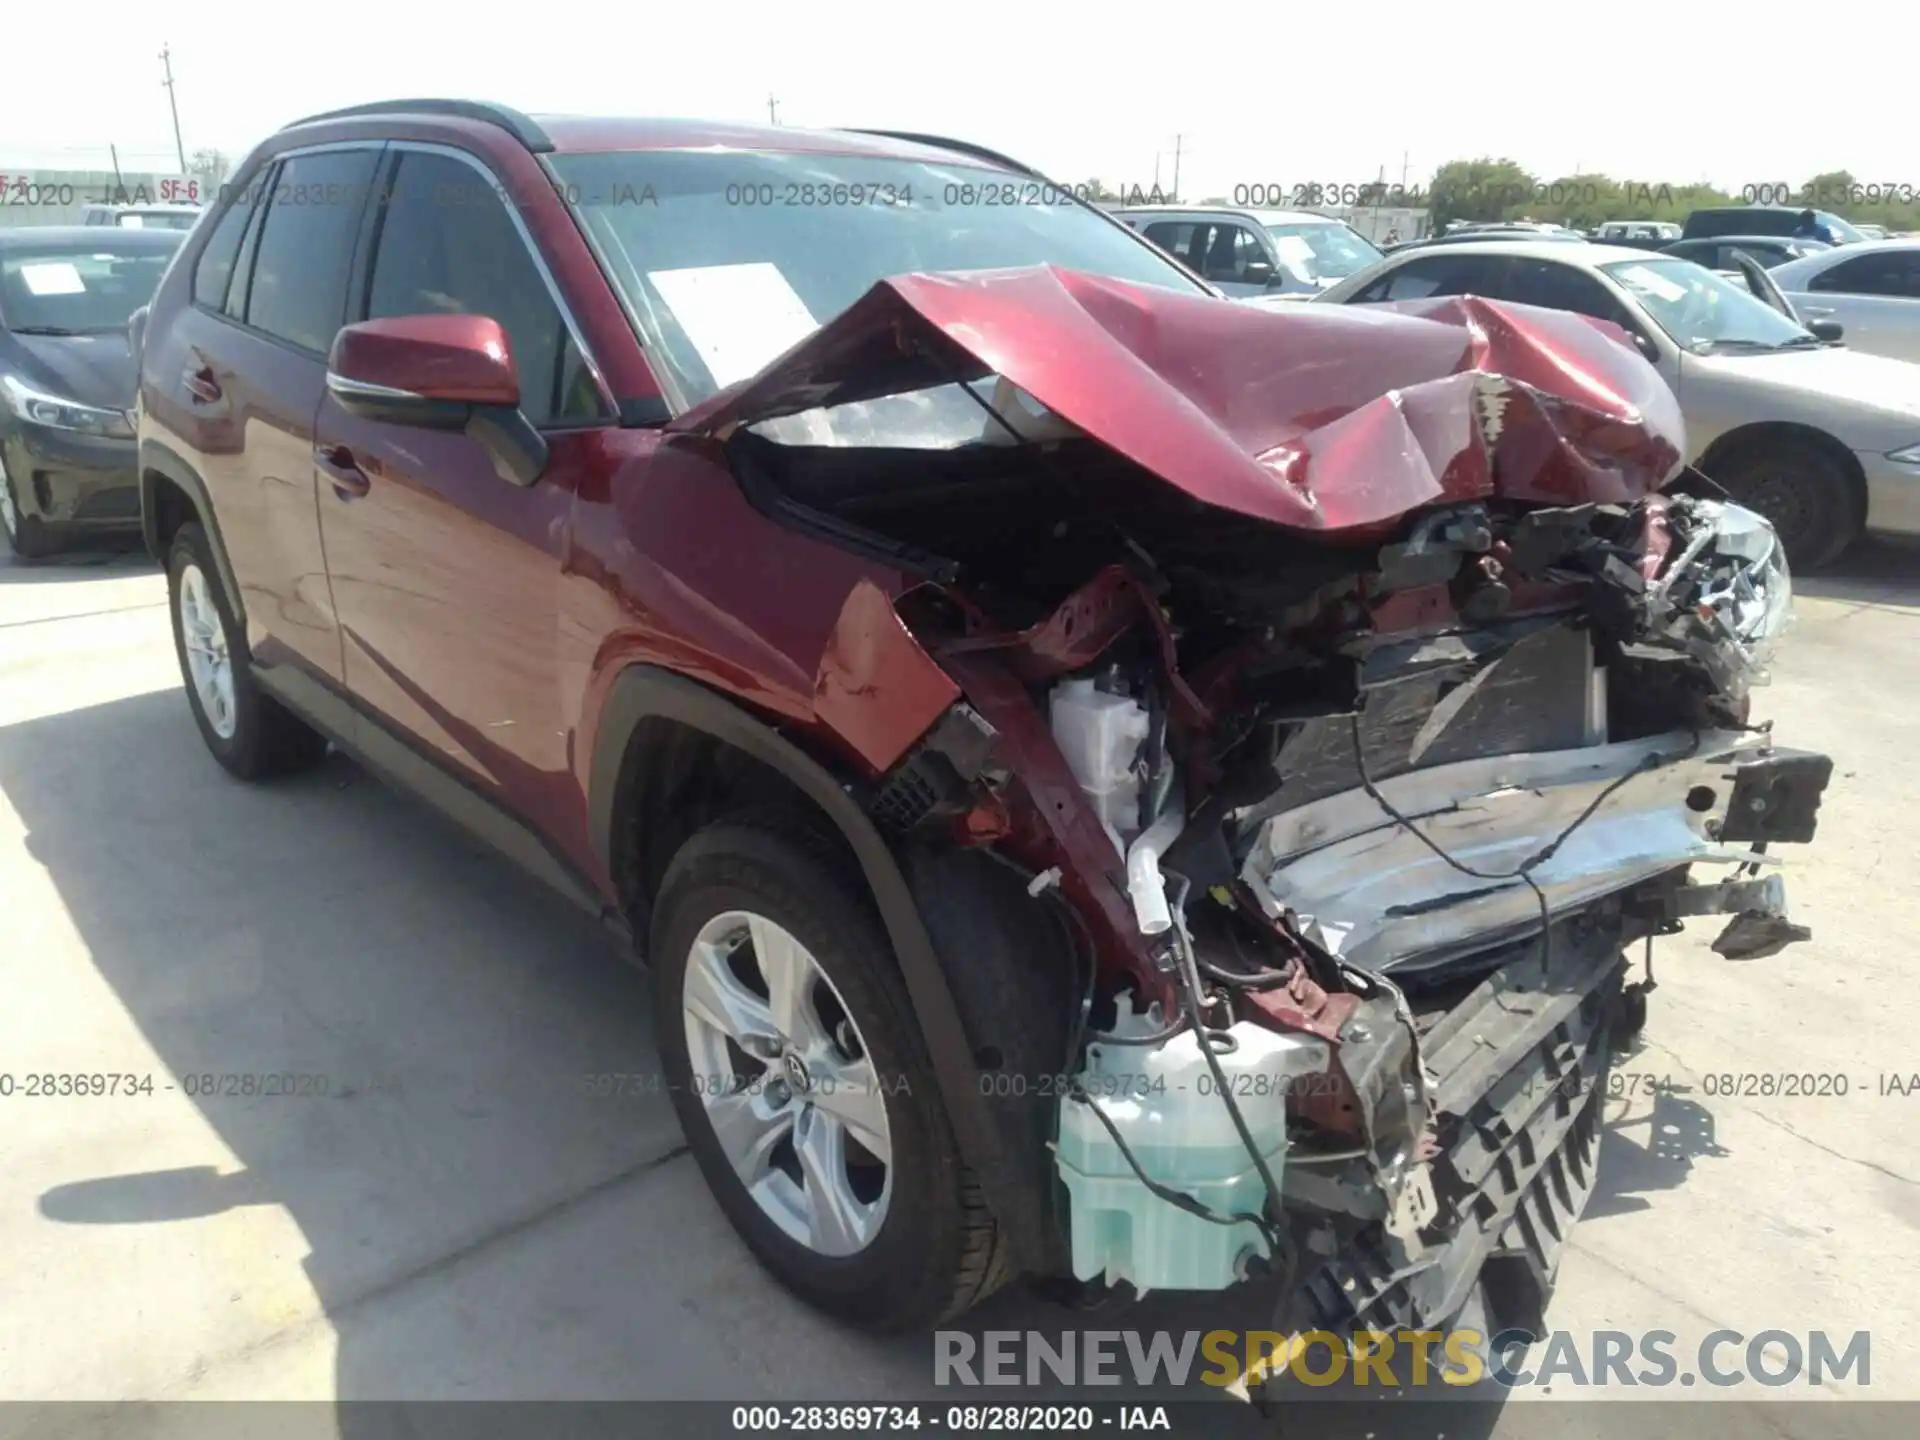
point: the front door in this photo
(445, 575)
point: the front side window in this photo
(1436, 275)
(1554, 286)
(299, 287)
(1224, 252)
(728, 259)
(88, 289)
(446, 245)
(1702, 310)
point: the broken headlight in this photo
(1726, 596)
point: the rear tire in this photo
(249, 732)
(1803, 491)
(929, 1247)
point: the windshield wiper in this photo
(44, 330)
(1799, 342)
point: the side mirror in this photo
(1260, 272)
(439, 372)
(1643, 342)
(1827, 330)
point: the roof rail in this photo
(964, 147)
(521, 127)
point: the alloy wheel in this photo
(786, 1081)
(209, 661)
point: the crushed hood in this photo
(1315, 417)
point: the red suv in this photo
(1112, 784)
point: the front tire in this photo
(803, 1085)
(27, 535)
(248, 731)
(1803, 492)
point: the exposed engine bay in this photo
(1352, 829)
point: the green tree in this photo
(1482, 189)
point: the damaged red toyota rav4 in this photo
(1113, 785)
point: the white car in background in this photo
(1276, 253)
(1821, 439)
(1872, 290)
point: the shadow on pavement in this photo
(1872, 572)
(115, 557)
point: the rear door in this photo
(1875, 297)
(245, 378)
(445, 575)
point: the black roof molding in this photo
(521, 127)
(964, 147)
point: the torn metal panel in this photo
(1371, 890)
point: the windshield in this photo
(1701, 310)
(85, 291)
(1326, 251)
(728, 260)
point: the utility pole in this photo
(119, 184)
(773, 111)
(166, 59)
(1176, 166)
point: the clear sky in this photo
(1681, 90)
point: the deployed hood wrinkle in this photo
(1320, 418)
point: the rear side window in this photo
(213, 275)
(1436, 275)
(299, 289)
(1895, 273)
(447, 245)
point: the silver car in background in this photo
(1256, 252)
(1872, 290)
(1822, 439)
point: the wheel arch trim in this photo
(158, 461)
(641, 692)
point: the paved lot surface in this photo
(453, 1219)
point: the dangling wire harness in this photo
(1539, 857)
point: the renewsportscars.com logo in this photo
(1417, 1358)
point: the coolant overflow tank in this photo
(1167, 1106)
